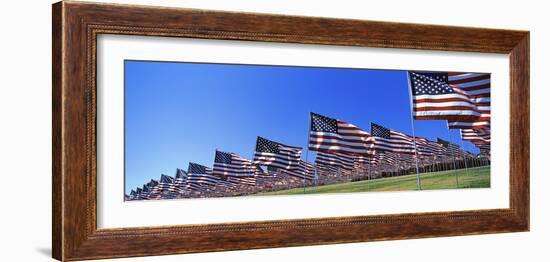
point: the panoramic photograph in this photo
(209, 130)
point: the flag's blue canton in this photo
(430, 83)
(138, 191)
(180, 173)
(223, 157)
(152, 183)
(145, 189)
(132, 193)
(321, 123)
(266, 146)
(166, 179)
(380, 131)
(196, 169)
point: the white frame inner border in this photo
(114, 212)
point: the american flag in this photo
(282, 157)
(485, 150)
(167, 183)
(223, 182)
(138, 193)
(200, 177)
(144, 192)
(479, 87)
(449, 149)
(180, 181)
(476, 136)
(234, 169)
(195, 187)
(242, 180)
(270, 153)
(462, 99)
(231, 164)
(132, 195)
(385, 160)
(155, 189)
(427, 147)
(387, 157)
(406, 159)
(265, 173)
(389, 140)
(393, 159)
(326, 168)
(268, 176)
(336, 136)
(335, 159)
(305, 170)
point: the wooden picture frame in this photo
(76, 26)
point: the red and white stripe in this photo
(476, 136)
(287, 158)
(398, 143)
(350, 140)
(470, 100)
(335, 159)
(426, 147)
(305, 170)
(243, 180)
(478, 87)
(239, 167)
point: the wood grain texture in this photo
(519, 129)
(76, 26)
(57, 199)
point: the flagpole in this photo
(307, 160)
(419, 186)
(255, 170)
(307, 151)
(453, 155)
(464, 151)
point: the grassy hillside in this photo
(467, 178)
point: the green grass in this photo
(467, 178)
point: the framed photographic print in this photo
(173, 127)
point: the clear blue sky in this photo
(177, 113)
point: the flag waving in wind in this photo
(231, 164)
(449, 149)
(335, 160)
(427, 147)
(181, 179)
(270, 153)
(452, 97)
(478, 86)
(199, 176)
(236, 169)
(305, 170)
(389, 140)
(476, 136)
(282, 157)
(336, 136)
